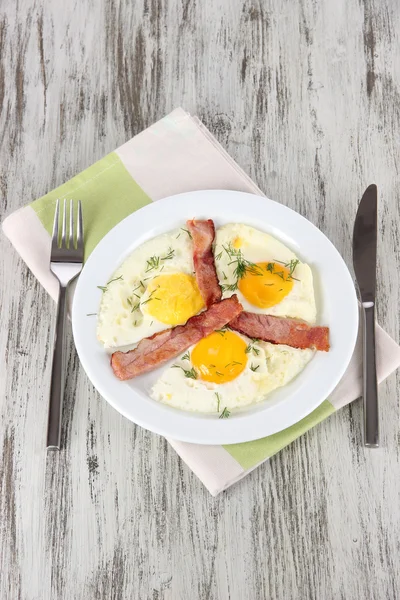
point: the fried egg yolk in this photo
(220, 357)
(266, 285)
(173, 298)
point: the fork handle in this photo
(57, 375)
(370, 386)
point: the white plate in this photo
(336, 304)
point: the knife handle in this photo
(370, 385)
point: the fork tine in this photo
(63, 243)
(54, 240)
(79, 231)
(71, 224)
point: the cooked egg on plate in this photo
(227, 371)
(267, 277)
(154, 289)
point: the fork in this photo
(66, 262)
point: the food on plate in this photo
(154, 289)
(267, 277)
(230, 352)
(280, 330)
(225, 371)
(155, 351)
(203, 233)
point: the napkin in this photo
(176, 154)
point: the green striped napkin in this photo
(177, 154)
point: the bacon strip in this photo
(279, 330)
(203, 233)
(161, 347)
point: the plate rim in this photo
(225, 436)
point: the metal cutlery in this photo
(364, 260)
(65, 263)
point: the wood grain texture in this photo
(306, 97)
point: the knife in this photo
(364, 260)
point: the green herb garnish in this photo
(230, 287)
(90, 314)
(187, 231)
(225, 414)
(251, 348)
(270, 267)
(143, 302)
(116, 279)
(218, 400)
(104, 288)
(291, 265)
(186, 356)
(254, 368)
(152, 263)
(190, 373)
(242, 265)
(169, 255)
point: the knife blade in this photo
(364, 261)
(364, 244)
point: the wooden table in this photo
(305, 96)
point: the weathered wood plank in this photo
(305, 96)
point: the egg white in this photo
(257, 246)
(117, 324)
(275, 366)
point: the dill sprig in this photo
(115, 279)
(254, 368)
(270, 267)
(252, 348)
(218, 400)
(186, 356)
(225, 414)
(91, 314)
(233, 364)
(221, 331)
(229, 287)
(242, 265)
(142, 302)
(291, 265)
(152, 263)
(104, 288)
(169, 255)
(187, 231)
(189, 373)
